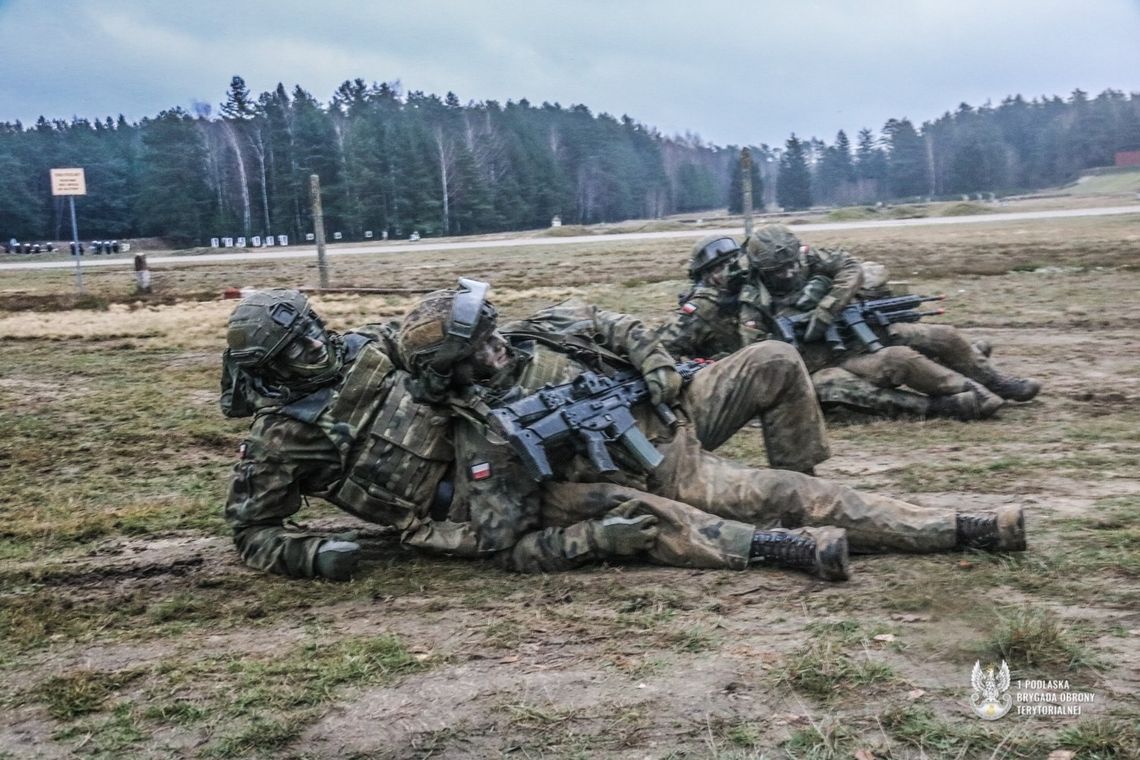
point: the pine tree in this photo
(793, 186)
(23, 211)
(174, 201)
(907, 161)
(870, 168)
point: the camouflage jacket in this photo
(705, 325)
(758, 307)
(366, 446)
(363, 445)
(504, 502)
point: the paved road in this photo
(305, 252)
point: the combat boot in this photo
(957, 406)
(823, 554)
(988, 403)
(1006, 386)
(1002, 530)
(1015, 388)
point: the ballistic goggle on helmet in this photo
(265, 335)
(711, 252)
(445, 328)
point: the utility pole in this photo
(319, 229)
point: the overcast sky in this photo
(734, 72)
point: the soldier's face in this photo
(720, 275)
(307, 354)
(491, 356)
(782, 280)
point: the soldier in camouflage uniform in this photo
(459, 358)
(935, 360)
(944, 375)
(334, 419)
(706, 325)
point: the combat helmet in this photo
(441, 330)
(276, 334)
(710, 252)
(774, 257)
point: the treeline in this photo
(388, 162)
(1018, 146)
(393, 162)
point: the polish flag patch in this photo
(481, 471)
(688, 308)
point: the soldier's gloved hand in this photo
(664, 385)
(621, 533)
(813, 292)
(337, 560)
(820, 320)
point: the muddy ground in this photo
(128, 627)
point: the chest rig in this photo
(395, 452)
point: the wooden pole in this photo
(319, 229)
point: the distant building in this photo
(1128, 158)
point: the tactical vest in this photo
(719, 312)
(395, 452)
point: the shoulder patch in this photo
(480, 471)
(688, 308)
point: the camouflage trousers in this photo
(946, 345)
(769, 381)
(687, 536)
(782, 499)
(707, 504)
(932, 359)
(842, 391)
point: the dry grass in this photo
(129, 627)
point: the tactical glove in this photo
(820, 320)
(622, 534)
(337, 560)
(664, 385)
(814, 291)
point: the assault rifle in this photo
(857, 319)
(593, 410)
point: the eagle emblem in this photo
(990, 700)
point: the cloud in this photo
(732, 72)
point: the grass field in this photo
(128, 627)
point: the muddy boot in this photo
(824, 555)
(958, 406)
(1002, 530)
(1015, 388)
(1006, 386)
(988, 403)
